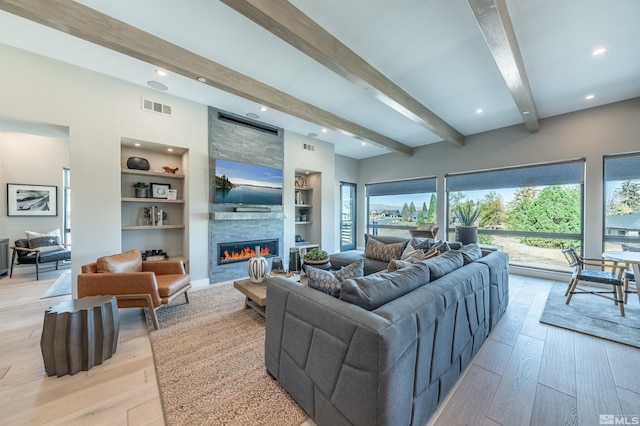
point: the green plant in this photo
(316, 254)
(140, 185)
(303, 210)
(467, 214)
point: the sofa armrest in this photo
(115, 283)
(164, 267)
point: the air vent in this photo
(247, 123)
(156, 107)
(308, 147)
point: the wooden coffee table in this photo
(256, 293)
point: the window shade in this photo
(413, 186)
(549, 174)
(624, 167)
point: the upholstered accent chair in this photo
(23, 254)
(612, 277)
(134, 282)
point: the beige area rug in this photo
(209, 357)
(60, 287)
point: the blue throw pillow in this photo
(330, 282)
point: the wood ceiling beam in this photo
(90, 25)
(284, 20)
(496, 27)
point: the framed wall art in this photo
(160, 190)
(32, 200)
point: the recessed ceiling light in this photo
(526, 112)
(589, 97)
(157, 85)
(479, 111)
(170, 149)
(161, 72)
(136, 144)
(363, 143)
(252, 115)
(263, 109)
(598, 51)
(307, 172)
(202, 79)
(324, 130)
(312, 135)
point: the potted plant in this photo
(467, 214)
(303, 213)
(141, 189)
(315, 256)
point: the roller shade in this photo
(413, 186)
(624, 167)
(549, 174)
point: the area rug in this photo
(209, 357)
(60, 287)
(593, 315)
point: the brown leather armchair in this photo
(134, 282)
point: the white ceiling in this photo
(432, 49)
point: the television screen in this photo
(244, 183)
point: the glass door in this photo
(347, 216)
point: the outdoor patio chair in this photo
(614, 277)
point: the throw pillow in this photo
(45, 242)
(431, 253)
(330, 282)
(380, 251)
(396, 264)
(423, 245)
(442, 246)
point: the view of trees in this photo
(554, 208)
(625, 199)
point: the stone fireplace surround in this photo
(237, 138)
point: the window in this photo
(622, 200)
(530, 211)
(348, 229)
(395, 207)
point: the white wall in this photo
(589, 134)
(33, 160)
(99, 111)
(320, 160)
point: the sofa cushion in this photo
(170, 284)
(129, 261)
(470, 253)
(441, 265)
(387, 239)
(385, 252)
(49, 241)
(330, 282)
(375, 290)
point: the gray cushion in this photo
(440, 266)
(384, 239)
(375, 290)
(470, 253)
(330, 282)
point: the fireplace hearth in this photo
(242, 251)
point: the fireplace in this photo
(241, 251)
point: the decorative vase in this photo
(467, 234)
(257, 267)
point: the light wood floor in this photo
(526, 372)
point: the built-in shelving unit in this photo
(139, 231)
(305, 199)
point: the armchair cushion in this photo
(130, 261)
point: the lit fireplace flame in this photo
(245, 253)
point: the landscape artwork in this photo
(244, 183)
(31, 200)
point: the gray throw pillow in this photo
(330, 282)
(470, 253)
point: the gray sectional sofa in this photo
(392, 346)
